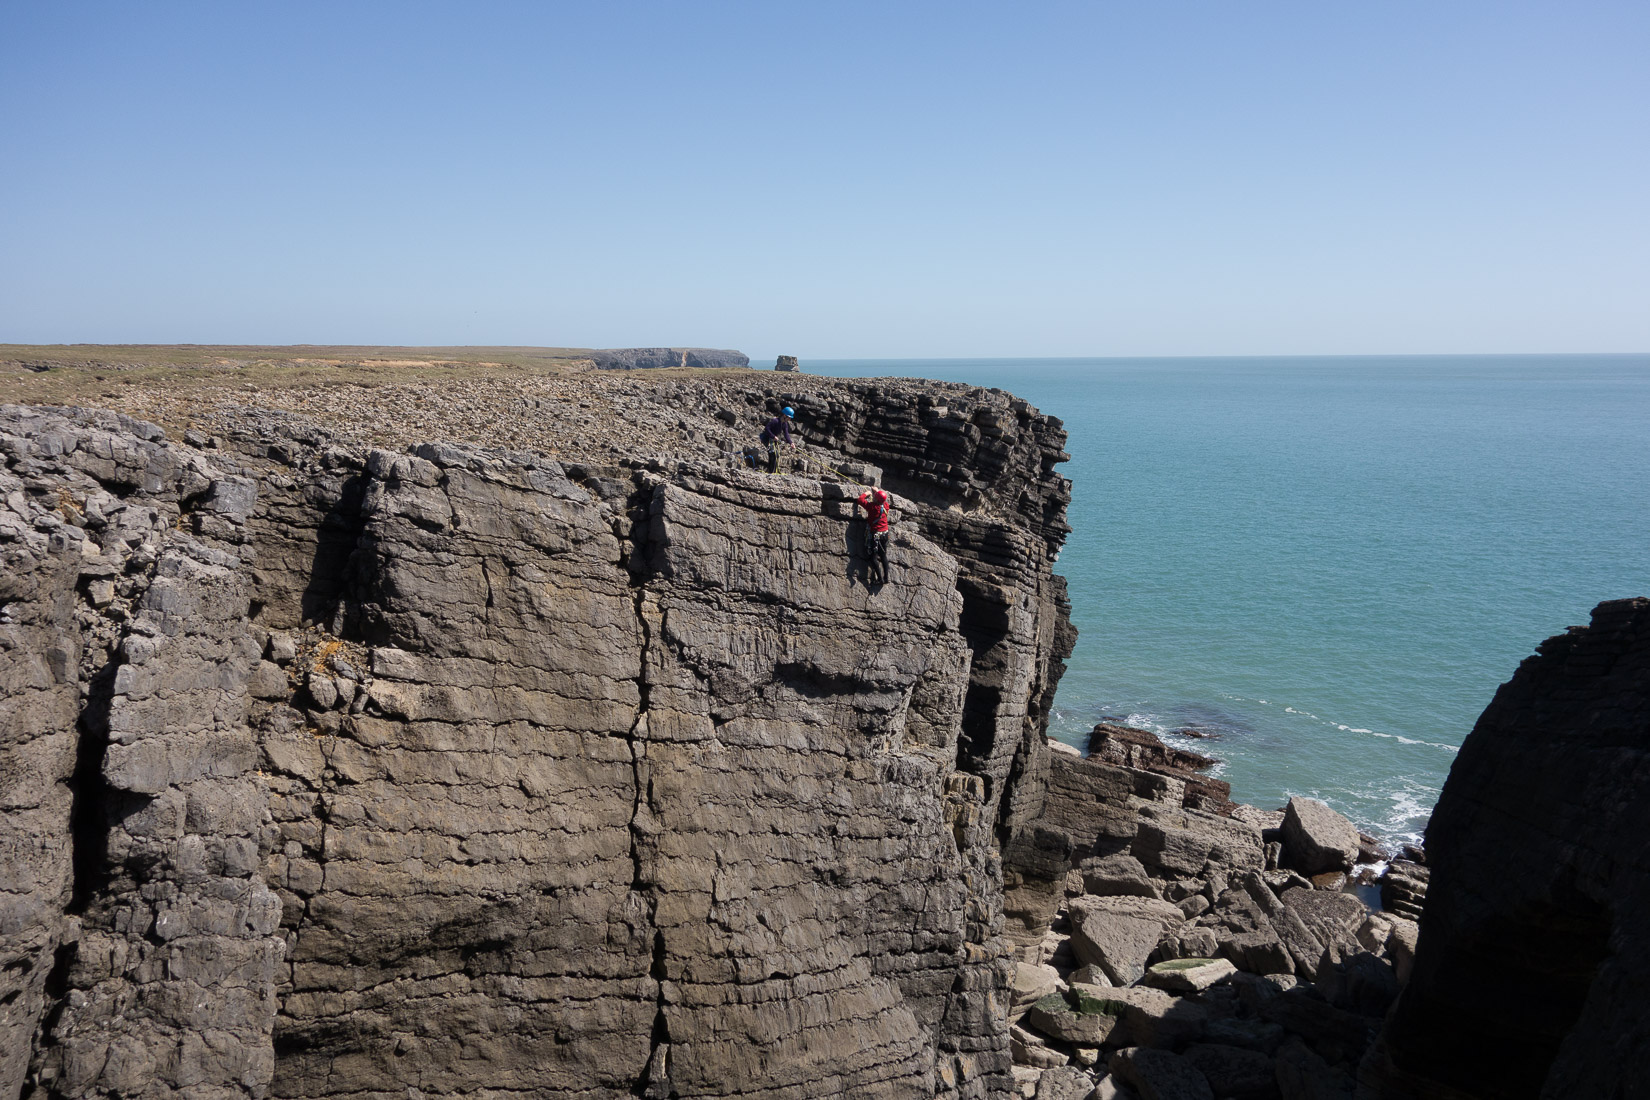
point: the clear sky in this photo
(831, 179)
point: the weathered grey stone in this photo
(1118, 934)
(1302, 1075)
(1150, 1017)
(1159, 1075)
(267, 682)
(1357, 981)
(1194, 906)
(1085, 1023)
(1030, 1049)
(1112, 1088)
(1025, 1080)
(643, 759)
(281, 649)
(1065, 1083)
(1031, 984)
(1189, 975)
(1234, 1072)
(1338, 1035)
(1090, 975)
(1117, 874)
(1175, 842)
(1333, 918)
(1401, 947)
(1316, 839)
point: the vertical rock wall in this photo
(468, 770)
(139, 935)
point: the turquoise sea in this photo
(1328, 565)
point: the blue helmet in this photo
(789, 411)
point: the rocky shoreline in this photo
(1171, 942)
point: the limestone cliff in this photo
(332, 769)
(1530, 976)
(653, 358)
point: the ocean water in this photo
(1328, 565)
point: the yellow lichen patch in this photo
(324, 653)
(66, 504)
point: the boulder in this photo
(1074, 1020)
(280, 647)
(1111, 1088)
(1255, 990)
(1150, 1017)
(1373, 933)
(1064, 1083)
(1357, 981)
(1234, 1073)
(1090, 975)
(1400, 947)
(1258, 818)
(1119, 873)
(268, 682)
(1190, 943)
(1336, 1034)
(1029, 1049)
(1118, 934)
(1281, 879)
(1189, 975)
(1174, 843)
(1404, 888)
(1031, 984)
(1317, 839)
(1302, 1075)
(1256, 932)
(1194, 906)
(1331, 917)
(1159, 1075)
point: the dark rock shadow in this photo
(337, 536)
(858, 566)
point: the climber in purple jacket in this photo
(773, 431)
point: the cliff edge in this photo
(336, 767)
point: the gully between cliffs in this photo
(341, 771)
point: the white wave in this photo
(1402, 740)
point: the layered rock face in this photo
(1530, 975)
(138, 933)
(332, 771)
(654, 358)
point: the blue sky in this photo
(831, 180)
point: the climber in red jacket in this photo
(877, 504)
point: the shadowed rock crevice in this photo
(92, 797)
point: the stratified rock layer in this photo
(656, 358)
(1530, 975)
(333, 771)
